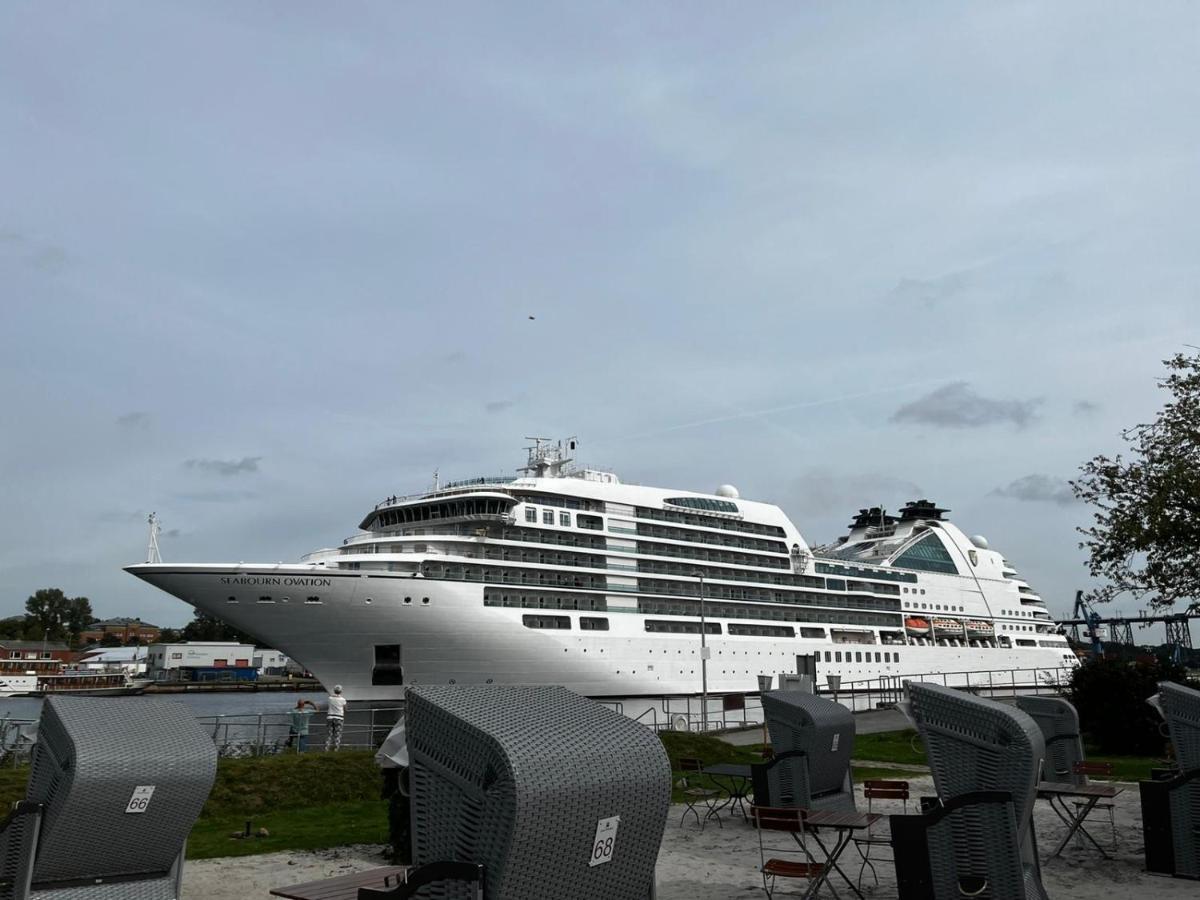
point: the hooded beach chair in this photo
(114, 789)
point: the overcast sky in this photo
(265, 264)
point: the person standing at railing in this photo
(335, 718)
(298, 724)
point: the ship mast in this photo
(152, 554)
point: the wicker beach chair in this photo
(985, 759)
(813, 740)
(1171, 808)
(115, 787)
(554, 795)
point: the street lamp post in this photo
(703, 661)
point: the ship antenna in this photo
(152, 554)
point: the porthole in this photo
(408, 599)
(425, 600)
(368, 600)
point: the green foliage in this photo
(1110, 696)
(49, 613)
(1145, 539)
(709, 750)
(204, 627)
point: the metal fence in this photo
(264, 734)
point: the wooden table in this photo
(845, 823)
(1088, 795)
(736, 780)
(344, 887)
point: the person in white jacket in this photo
(335, 718)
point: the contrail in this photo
(807, 404)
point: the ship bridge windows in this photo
(450, 508)
(929, 555)
(558, 622)
(589, 623)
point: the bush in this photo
(1111, 695)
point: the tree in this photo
(1145, 539)
(110, 640)
(204, 627)
(1110, 697)
(78, 616)
(46, 611)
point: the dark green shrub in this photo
(1111, 694)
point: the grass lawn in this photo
(891, 746)
(298, 828)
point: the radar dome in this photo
(727, 490)
(979, 541)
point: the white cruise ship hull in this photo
(447, 635)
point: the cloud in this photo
(495, 406)
(1084, 407)
(955, 405)
(225, 467)
(821, 490)
(931, 291)
(217, 496)
(134, 419)
(1038, 489)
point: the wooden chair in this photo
(693, 796)
(878, 789)
(1104, 770)
(791, 820)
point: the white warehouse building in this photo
(164, 658)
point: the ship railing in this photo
(886, 690)
(267, 734)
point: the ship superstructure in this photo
(562, 574)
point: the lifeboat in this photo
(915, 625)
(976, 626)
(948, 625)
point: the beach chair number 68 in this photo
(604, 841)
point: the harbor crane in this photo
(1179, 635)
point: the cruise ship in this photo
(562, 574)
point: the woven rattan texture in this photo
(824, 732)
(518, 777)
(91, 754)
(979, 745)
(1059, 724)
(1181, 709)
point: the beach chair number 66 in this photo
(604, 841)
(140, 799)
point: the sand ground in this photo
(722, 862)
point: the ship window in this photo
(564, 519)
(265, 600)
(858, 657)
(813, 633)
(828, 656)
(887, 656)
(588, 623)
(592, 523)
(837, 657)
(877, 658)
(547, 517)
(531, 514)
(546, 621)
(231, 600)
